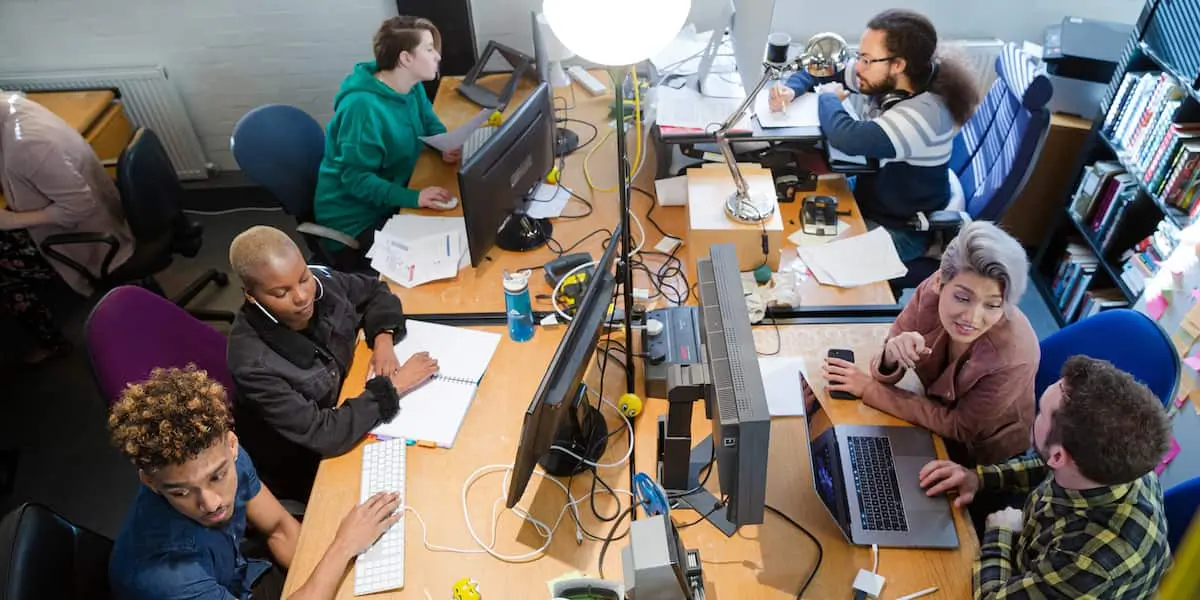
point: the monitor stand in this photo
(583, 432)
(522, 233)
(680, 464)
(565, 141)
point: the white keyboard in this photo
(382, 566)
(476, 140)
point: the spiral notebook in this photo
(435, 411)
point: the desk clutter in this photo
(413, 249)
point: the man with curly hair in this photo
(182, 536)
(1093, 524)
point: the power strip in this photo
(589, 83)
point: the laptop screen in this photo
(826, 468)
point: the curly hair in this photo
(1114, 427)
(170, 418)
(911, 36)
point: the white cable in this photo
(558, 286)
(875, 552)
(623, 459)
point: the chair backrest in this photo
(150, 190)
(1144, 350)
(280, 147)
(1181, 504)
(133, 330)
(996, 149)
(45, 557)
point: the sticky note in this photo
(1196, 294)
(1156, 306)
(1193, 362)
(1168, 457)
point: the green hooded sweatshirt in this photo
(371, 147)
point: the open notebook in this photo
(435, 411)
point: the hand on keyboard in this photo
(452, 156)
(367, 521)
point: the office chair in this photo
(151, 198)
(131, 331)
(992, 155)
(280, 147)
(1181, 504)
(45, 557)
(1145, 351)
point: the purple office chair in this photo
(132, 330)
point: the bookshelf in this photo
(1136, 183)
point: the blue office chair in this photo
(1181, 504)
(280, 147)
(993, 153)
(1128, 339)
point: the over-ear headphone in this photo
(892, 98)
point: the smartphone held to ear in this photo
(848, 356)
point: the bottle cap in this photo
(516, 282)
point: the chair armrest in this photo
(49, 244)
(939, 220)
(322, 231)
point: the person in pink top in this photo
(53, 183)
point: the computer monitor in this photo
(752, 22)
(493, 181)
(560, 413)
(548, 54)
(731, 384)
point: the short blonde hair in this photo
(256, 246)
(984, 249)
(170, 418)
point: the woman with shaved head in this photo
(290, 350)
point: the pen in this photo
(410, 271)
(924, 592)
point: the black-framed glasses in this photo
(871, 61)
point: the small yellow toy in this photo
(553, 176)
(496, 119)
(466, 589)
(630, 405)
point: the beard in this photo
(877, 88)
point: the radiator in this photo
(149, 98)
(981, 58)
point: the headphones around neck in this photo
(892, 98)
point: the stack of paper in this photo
(414, 249)
(686, 108)
(802, 112)
(854, 261)
(547, 201)
(455, 138)
(781, 381)
(435, 411)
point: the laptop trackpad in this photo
(908, 470)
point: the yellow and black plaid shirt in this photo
(1107, 542)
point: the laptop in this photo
(867, 476)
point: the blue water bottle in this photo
(517, 305)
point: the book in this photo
(435, 411)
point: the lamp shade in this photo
(616, 32)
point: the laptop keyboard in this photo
(879, 503)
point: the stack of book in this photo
(1141, 262)
(1073, 299)
(1161, 154)
(1104, 193)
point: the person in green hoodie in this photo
(373, 141)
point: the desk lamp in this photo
(556, 52)
(822, 55)
(617, 34)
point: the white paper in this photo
(688, 109)
(455, 138)
(781, 381)
(800, 238)
(547, 201)
(671, 191)
(461, 353)
(409, 226)
(412, 262)
(854, 261)
(801, 112)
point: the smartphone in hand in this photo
(848, 356)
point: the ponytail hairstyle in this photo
(911, 36)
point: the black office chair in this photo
(45, 557)
(151, 196)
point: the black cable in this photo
(706, 515)
(551, 243)
(778, 340)
(610, 539)
(595, 131)
(820, 549)
(650, 213)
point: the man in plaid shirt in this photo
(1093, 524)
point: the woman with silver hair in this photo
(972, 348)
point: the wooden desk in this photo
(435, 478)
(771, 561)
(480, 290)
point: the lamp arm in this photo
(770, 72)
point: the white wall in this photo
(1012, 20)
(225, 56)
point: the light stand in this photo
(624, 270)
